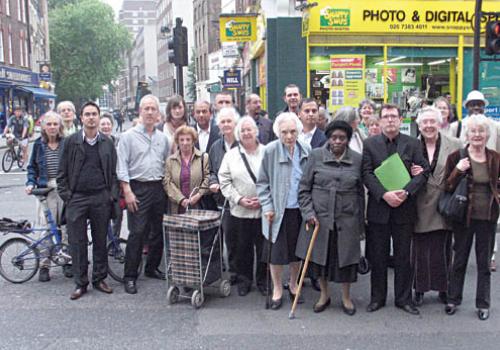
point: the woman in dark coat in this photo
(331, 193)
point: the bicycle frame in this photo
(46, 242)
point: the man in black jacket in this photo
(391, 213)
(88, 185)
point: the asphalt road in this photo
(38, 315)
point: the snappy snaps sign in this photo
(240, 28)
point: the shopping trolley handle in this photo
(193, 192)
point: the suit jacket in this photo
(427, 200)
(214, 135)
(374, 153)
(318, 139)
(71, 162)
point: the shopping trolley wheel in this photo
(197, 299)
(225, 288)
(173, 295)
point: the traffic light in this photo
(178, 45)
(492, 44)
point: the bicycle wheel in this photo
(20, 161)
(18, 262)
(7, 160)
(116, 258)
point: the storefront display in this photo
(413, 52)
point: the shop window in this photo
(416, 76)
(489, 78)
(334, 85)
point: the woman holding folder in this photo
(331, 193)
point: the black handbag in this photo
(453, 206)
(363, 265)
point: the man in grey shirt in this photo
(142, 152)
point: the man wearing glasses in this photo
(391, 213)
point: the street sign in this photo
(232, 78)
(230, 50)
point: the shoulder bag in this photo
(453, 205)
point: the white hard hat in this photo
(475, 95)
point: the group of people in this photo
(280, 179)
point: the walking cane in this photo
(268, 277)
(291, 315)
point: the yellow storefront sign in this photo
(395, 17)
(238, 28)
(347, 80)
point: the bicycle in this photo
(20, 257)
(12, 155)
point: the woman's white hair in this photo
(477, 120)
(430, 110)
(237, 130)
(287, 116)
(228, 112)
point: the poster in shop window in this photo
(347, 80)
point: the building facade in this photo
(24, 49)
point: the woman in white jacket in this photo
(237, 178)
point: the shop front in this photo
(19, 87)
(407, 53)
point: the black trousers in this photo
(483, 231)
(230, 240)
(97, 209)
(378, 240)
(249, 246)
(145, 222)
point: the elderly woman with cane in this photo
(237, 177)
(277, 188)
(331, 193)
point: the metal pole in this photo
(477, 48)
(180, 81)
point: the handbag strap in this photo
(245, 160)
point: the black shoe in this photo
(233, 279)
(155, 274)
(68, 271)
(263, 289)
(443, 297)
(409, 308)
(348, 311)
(320, 308)
(130, 287)
(374, 306)
(43, 274)
(483, 314)
(243, 289)
(419, 299)
(292, 297)
(315, 284)
(450, 309)
(276, 304)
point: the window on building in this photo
(19, 10)
(11, 61)
(134, 13)
(21, 52)
(7, 7)
(26, 56)
(1, 46)
(134, 21)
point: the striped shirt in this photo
(52, 160)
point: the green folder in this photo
(392, 173)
